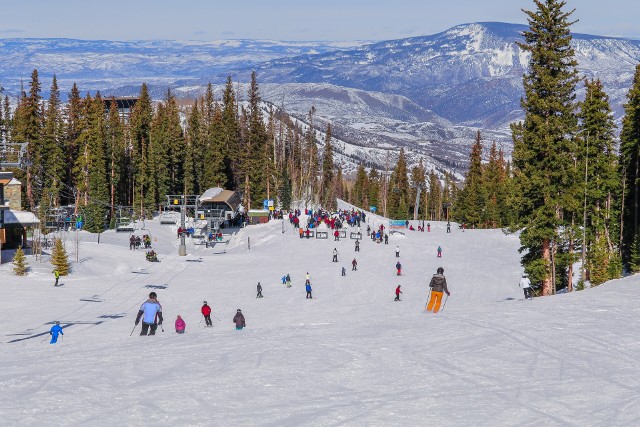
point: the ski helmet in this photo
(153, 295)
(204, 302)
(57, 323)
(239, 310)
(440, 270)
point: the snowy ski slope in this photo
(349, 357)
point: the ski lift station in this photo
(217, 205)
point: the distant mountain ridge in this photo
(428, 94)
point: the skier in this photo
(336, 236)
(307, 279)
(438, 285)
(288, 281)
(54, 332)
(344, 271)
(206, 312)
(428, 227)
(238, 319)
(439, 252)
(448, 227)
(386, 239)
(152, 312)
(525, 284)
(397, 251)
(284, 280)
(259, 287)
(335, 255)
(398, 292)
(180, 325)
(56, 274)
(357, 245)
(399, 268)
(308, 289)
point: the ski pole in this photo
(134, 328)
(216, 317)
(445, 302)
(161, 327)
(427, 303)
(200, 323)
(45, 338)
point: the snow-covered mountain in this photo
(428, 94)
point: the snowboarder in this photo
(308, 289)
(56, 274)
(238, 319)
(206, 313)
(54, 332)
(397, 251)
(335, 255)
(399, 268)
(438, 285)
(344, 271)
(288, 281)
(357, 245)
(439, 252)
(525, 284)
(150, 312)
(259, 288)
(180, 325)
(448, 227)
(354, 265)
(398, 292)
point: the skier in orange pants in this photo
(438, 286)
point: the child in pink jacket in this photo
(180, 325)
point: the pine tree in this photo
(140, 128)
(598, 160)
(72, 129)
(116, 157)
(398, 196)
(20, 265)
(471, 203)
(285, 192)
(359, 196)
(59, 258)
(630, 167)
(52, 149)
(230, 137)
(327, 188)
(95, 166)
(418, 183)
(543, 152)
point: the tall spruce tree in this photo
(327, 185)
(399, 190)
(116, 150)
(598, 160)
(72, 119)
(543, 154)
(630, 171)
(53, 160)
(471, 203)
(140, 128)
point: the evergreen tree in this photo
(543, 148)
(20, 265)
(285, 192)
(214, 155)
(53, 161)
(373, 189)
(359, 196)
(230, 137)
(630, 167)
(72, 129)
(598, 160)
(59, 258)
(471, 203)
(418, 183)
(93, 139)
(140, 128)
(327, 186)
(398, 196)
(116, 150)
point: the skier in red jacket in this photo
(398, 292)
(206, 312)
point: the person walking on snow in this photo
(397, 251)
(398, 292)
(56, 274)
(335, 255)
(525, 284)
(288, 281)
(150, 312)
(54, 332)
(308, 289)
(354, 265)
(259, 288)
(180, 325)
(439, 252)
(438, 285)
(206, 312)
(399, 268)
(238, 319)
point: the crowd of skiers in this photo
(136, 241)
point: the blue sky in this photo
(286, 19)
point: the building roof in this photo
(5, 177)
(217, 194)
(23, 218)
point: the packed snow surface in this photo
(351, 356)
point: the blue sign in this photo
(373, 208)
